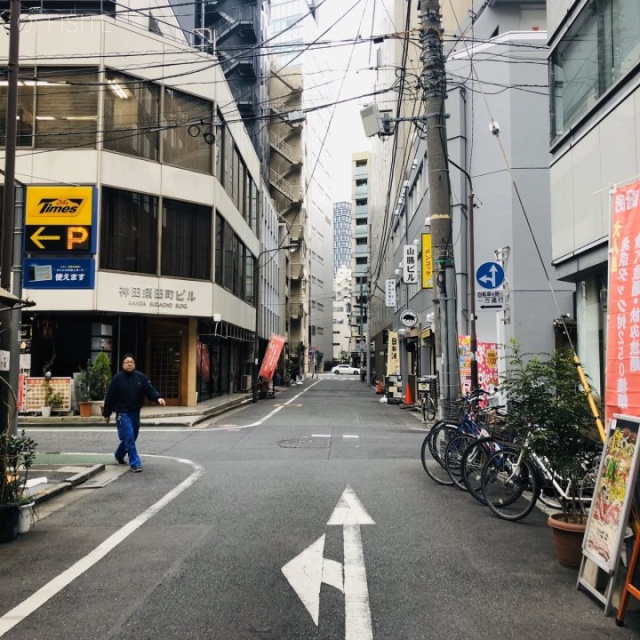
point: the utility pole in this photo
(435, 88)
(9, 318)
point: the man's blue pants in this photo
(128, 428)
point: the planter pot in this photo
(96, 407)
(85, 409)
(567, 539)
(25, 521)
(9, 518)
(46, 412)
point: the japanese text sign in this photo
(410, 264)
(427, 262)
(622, 394)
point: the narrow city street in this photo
(304, 517)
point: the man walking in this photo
(125, 396)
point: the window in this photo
(361, 202)
(598, 50)
(361, 182)
(56, 107)
(128, 231)
(131, 116)
(219, 251)
(219, 146)
(361, 163)
(179, 147)
(186, 240)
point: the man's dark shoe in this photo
(136, 469)
(120, 461)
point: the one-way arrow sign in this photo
(309, 569)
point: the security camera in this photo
(494, 127)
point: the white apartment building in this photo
(126, 125)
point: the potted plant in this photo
(549, 404)
(92, 384)
(17, 455)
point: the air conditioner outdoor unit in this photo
(245, 383)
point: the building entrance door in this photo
(164, 367)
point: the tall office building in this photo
(341, 236)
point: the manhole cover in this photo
(296, 443)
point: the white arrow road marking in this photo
(309, 569)
(306, 573)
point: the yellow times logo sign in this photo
(59, 206)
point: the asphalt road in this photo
(304, 517)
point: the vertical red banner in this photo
(270, 362)
(622, 393)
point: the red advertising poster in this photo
(487, 357)
(622, 393)
(488, 365)
(270, 362)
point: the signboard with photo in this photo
(613, 494)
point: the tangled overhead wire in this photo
(206, 129)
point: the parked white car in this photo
(345, 368)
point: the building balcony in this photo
(296, 310)
(297, 271)
(296, 233)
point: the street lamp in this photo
(256, 335)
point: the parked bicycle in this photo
(435, 444)
(513, 480)
(428, 398)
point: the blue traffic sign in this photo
(490, 275)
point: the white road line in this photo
(320, 435)
(347, 436)
(53, 587)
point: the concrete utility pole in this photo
(10, 319)
(435, 88)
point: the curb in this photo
(68, 484)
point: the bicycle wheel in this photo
(430, 408)
(433, 450)
(473, 461)
(510, 485)
(453, 458)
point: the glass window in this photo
(599, 49)
(219, 148)
(228, 263)
(179, 147)
(250, 265)
(66, 108)
(128, 231)
(219, 254)
(131, 116)
(186, 240)
(253, 222)
(26, 108)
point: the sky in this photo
(349, 63)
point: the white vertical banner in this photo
(390, 293)
(410, 264)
